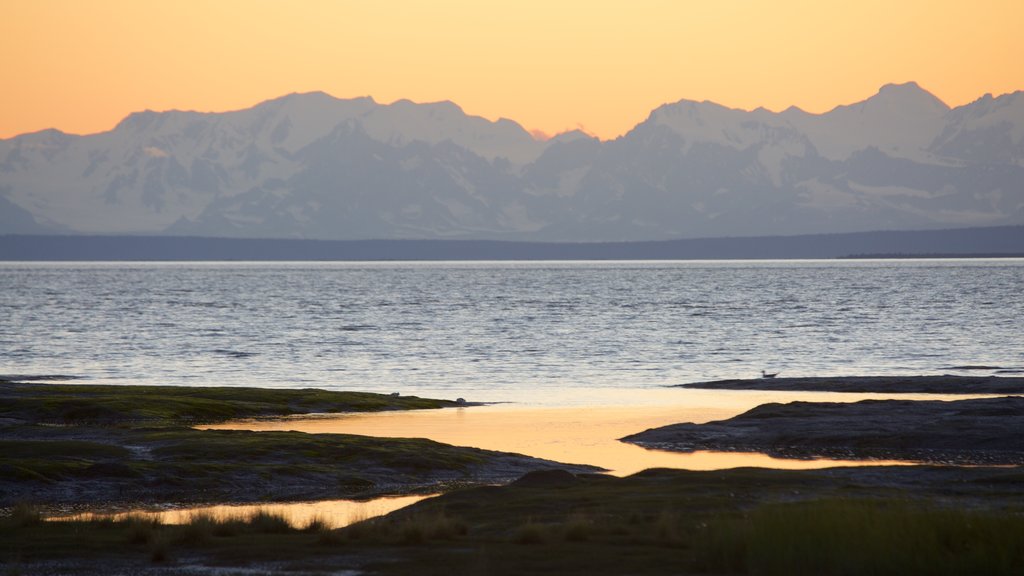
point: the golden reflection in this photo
(334, 513)
(580, 435)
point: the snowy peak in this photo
(403, 122)
(710, 123)
(908, 97)
(988, 130)
(311, 165)
(901, 120)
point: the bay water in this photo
(534, 333)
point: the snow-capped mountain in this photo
(313, 166)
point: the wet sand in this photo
(580, 434)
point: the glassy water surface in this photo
(530, 332)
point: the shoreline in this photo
(971, 432)
(108, 446)
(657, 521)
(944, 384)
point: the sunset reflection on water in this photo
(576, 434)
(333, 513)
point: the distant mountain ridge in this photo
(314, 166)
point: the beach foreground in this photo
(554, 519)
(879, 520)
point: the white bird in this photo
(767, 375)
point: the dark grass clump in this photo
(862, 537)
(417, 529)
(264, 522)
(531, 533)
(198, 530)
(159, 549)
(141, 529)
(24, 515)
(317, 525)
(579, 528)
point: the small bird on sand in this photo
(767, 375)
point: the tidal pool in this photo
(333, 513)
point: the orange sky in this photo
(550, 65)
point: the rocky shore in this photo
(985, 431)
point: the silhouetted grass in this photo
(141, 529)
(862, 537)
(317, 524)
(415, 529)
(23, 515)
(264, 522)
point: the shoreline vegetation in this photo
(74, 446)
(848, 520)
(875, 520)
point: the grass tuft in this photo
(265, 522)
(578, 528)
(530, 533)
(24, 515)
(317, 525)
(159, 549)
(141, 529)
(198, 530)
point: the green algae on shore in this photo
(180, 405)
(133, 445)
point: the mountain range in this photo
(314, 166)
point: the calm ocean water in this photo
(524, 331)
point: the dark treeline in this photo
(963, 242)
(943, 255)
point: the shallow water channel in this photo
(586, 433)
(574, 430)
(333, 513)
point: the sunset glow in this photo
(601, 66)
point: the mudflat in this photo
(980, 431)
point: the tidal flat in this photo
(552, 519)
(70, 447)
